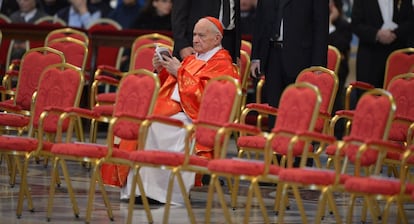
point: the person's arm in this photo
(365, 32)
(179, 22)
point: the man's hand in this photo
(186, 52)
(80, 6)
(156, 62)
(386, 36)
(171, 64)
(255, 69)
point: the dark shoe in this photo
(138, 201)
(205, 180)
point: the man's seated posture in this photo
(179, 98)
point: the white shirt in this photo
(28, 15)
(387, 11)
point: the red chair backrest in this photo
(75, 51)
(298, 111)
(142, 57)
(219, 105)
(105, 55)
(136, 97)
(398, 62)
(402, 89)
(327, 83)
(334, 59)
(33, 63)
(61, 86)
(151, 38)
(372, 120)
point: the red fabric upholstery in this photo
(57, 88)
(398, 63)
(14, 120)
(332, 59)
(31, 67)
(326, 85)
(294, 114)
(310, 176)
(168, 158)
(106, 97)
(17, 143)
(371, 111)
(216, 106)
(402, 89)
(142, 58)
(383, 185)
(240, 167)
(87, 150)
(75, 53)
(105, 55)
(105, 110)
(134, 98)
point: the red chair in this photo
(60, 86)
(136, 97)
(16, 111)
(219, 105)
(107, 56)
(296, 117)
(400, 61)
(371, 122)
(46, 21)
(103, 102)
(5, 47)
(327, 83)
(334, 59)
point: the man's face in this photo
(26, 5)
(204, 37)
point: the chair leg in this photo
(351, 205)
(104, 195)
(210, 197)
(136, 180)
(254, 188)
(185, 196)
(24, 190)
(220, 193)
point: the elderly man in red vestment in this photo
(179, 98)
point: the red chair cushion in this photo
(383, 185)
(87, 150)
(106, 97)
(14, 120)
(310, 176)
(240, 167)
(105, 110)
(18, 143)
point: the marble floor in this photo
(39, 180)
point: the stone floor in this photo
(39, 180)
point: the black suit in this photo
(372, 55)
(186, 13)
(305, 37)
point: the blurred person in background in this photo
(79, 14)
(340, 36)
(247, 16)
(156, 15)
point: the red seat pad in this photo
(17, 143)
(160, 157)
(87, 150)
(14, 120)
(310, 176)
(376, 185)
(251, 142)
(106, 97)
(240, 167)
(105, 110)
